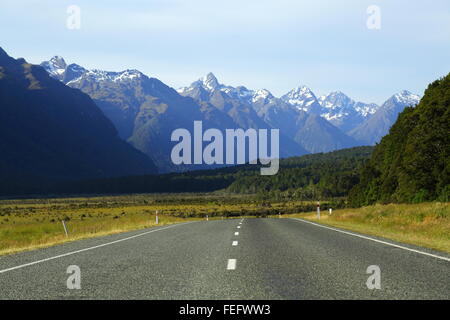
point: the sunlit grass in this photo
(425, 224)
(27, 224)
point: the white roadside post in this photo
(279, 214)
(318, 210)
(207, 218)
(65, 228)
(330, 211)
(157, 220)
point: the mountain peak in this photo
(210, 81)
(303, 99)
(56, 67)
(302, 90)
(262, 94)
(58, 62)
(406, 97)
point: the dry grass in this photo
(425, 224)
(35, 223)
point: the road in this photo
(267, 259)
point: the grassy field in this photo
(35, 223)
(424, 224)
(27, 224)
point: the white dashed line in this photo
(239, 227)
(236, 233)
(235, 243)
(231, 264)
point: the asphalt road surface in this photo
(228, 259)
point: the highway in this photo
(242, 259)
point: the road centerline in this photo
(231, 264)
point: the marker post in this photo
(318, 210)
(65, 228)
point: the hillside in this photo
(52, 132)
(309, 177)
(412, 162)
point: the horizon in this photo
(260, 45)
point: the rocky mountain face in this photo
(51, 131)
(376, 126)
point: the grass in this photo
(424, 224)
(28, 224)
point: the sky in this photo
(275, 45)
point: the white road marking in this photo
(236, 233)
(87, 249)
(231, 264)
(375, 240)
(239, 227)
(235, 243)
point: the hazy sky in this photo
(277, 44)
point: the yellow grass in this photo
(35, 223)
(425, 224)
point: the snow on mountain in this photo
(303, 99)
(377, 125)
(210, 81)
(343, 111)
(108, 76)
(262, 95)
(407, 98)
(56, 67)
(70, 74)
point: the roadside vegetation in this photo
(423, 224)
(35, 223)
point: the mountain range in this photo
(145, 111)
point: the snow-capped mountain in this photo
(56, 67)
(375, 127)
(296, 114)
(303, 99)
(403, 98)
(209, 84)
(344, 112)
(241, 104)
(74, 73)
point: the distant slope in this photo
(412, 162)
(313, 176)
(375, 127)
(51, 131)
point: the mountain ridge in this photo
(50, 130)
